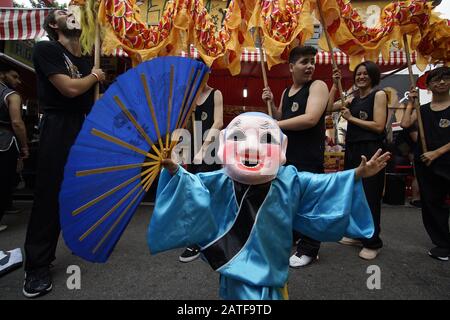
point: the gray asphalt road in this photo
(132, 273)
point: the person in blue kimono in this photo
(242, 215)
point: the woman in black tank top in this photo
(366, 116)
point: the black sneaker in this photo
(439, 253)
(190, 254)
(37, 283)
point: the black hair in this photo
(5, 68)
(372, 70)
(438, 74)
(50, 19)
(301, 51)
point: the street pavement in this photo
(405, 271)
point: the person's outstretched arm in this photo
(373, 166)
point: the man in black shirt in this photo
(66, 83)
(433, 166)
(301, 116)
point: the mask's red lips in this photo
(251, 162)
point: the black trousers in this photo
(305, 245)
(373, 186)
(58, 133)
(8, 164)
(435, 215)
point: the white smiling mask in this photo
(252, 148)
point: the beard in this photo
(69, 33)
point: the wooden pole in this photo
(97, 49)
(194, 135)
(263, 69)
(333, 60)
(188, 45)
(194, 129)
(416, 101)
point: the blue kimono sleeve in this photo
(181, 216)
(332, 206)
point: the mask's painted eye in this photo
(237, 136)
(267, 138)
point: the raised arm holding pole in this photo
(416, 101)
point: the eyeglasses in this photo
(437, 80)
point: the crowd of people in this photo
(66, 81)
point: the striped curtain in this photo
(21, 24)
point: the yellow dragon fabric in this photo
(282, 24)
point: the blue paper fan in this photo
(117, 154)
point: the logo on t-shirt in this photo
(204, 116)
(295, 107)
(444, 123)
(71, 68)
(363, 115)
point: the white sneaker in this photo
(350, 242)
(302, 261)
(368, 254)
(3, 227)
(10, 260)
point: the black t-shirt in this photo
(305, 147)
(436, 126)
(362, 108)
(50, 57)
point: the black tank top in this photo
(205, 112)
(362, 108)
(305, 147)
(436, 125)
(5, 120)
